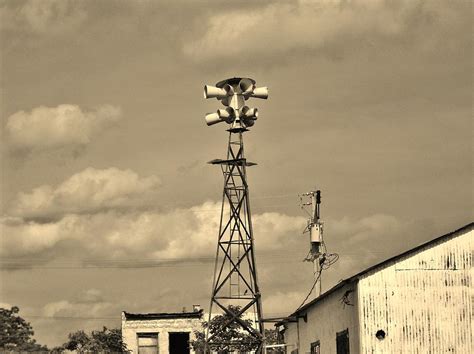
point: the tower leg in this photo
(235, 292)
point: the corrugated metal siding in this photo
(323, 322)
(423, 302)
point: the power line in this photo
(311, 290)
(131, 266)
(32, 263)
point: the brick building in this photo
(160, 333)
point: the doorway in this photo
(179, 342)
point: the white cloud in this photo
(87, 191)
(64, 126)
(276, 230)
(280, 303)
(138, 235)
(110, 214)
(183, 234)
(90, 296)
(51, 17)
(354, 232)
(316, 25)
(65, 308)
(18, 237)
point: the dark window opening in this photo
(147, 343)
(179, 342)
(342, 342)
(316, 347)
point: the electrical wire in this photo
(330, 259)
(311, 290)
(326, 260)
(41, 263)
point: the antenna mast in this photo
(235, 290)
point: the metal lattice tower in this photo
(235, 290)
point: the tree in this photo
(242, 341)
(271, 337)
(104, 341)
(16, 334)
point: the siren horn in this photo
(246, 86)
(212, 118)
(247, 112)
(214, 92)
(227, 114)
(248, 115)
(222, 115)
(260, 92)
(249, 122)
(217, 92)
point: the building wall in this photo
(130, 328)
(324, 320)
(422, 302)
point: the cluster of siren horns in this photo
(233, 93)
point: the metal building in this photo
(420, 301)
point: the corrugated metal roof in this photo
(379, 265)
(162, 315)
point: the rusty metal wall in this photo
(423, 302)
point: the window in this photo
(179, 342)
(147, 343)
(316, 347)
(342, 342)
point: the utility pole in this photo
(317, 252)
(235, 290)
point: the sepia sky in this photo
(107, 201)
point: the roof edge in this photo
(380, 264)
(162, 315)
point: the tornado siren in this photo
(235, 290)
(233, 93)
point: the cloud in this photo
(90, 296)
(276, 231)
(330, 27)
(136, 236)
(64, 126)
(51, 17)
(107, 216)
(18, 237)
(364, 229)
(140, 238)
(66, 308)
(281, 303)
(87, 191)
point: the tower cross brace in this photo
(235, 274)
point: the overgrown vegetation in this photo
(233, 338)
(16, 334)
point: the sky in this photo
(107, 200)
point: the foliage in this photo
(16, 334)
(104, 341)
(242, 341)
(271, 337)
